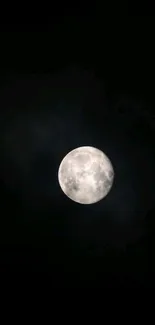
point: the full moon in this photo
(86, 175)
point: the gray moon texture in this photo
(86, 175)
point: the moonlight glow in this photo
(86, 175)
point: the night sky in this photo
(72, 83)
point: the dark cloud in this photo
(43, 118)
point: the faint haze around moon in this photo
(62, 114)
(86, 175)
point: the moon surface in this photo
(86, 175)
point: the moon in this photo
(86, 175)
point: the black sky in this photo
(79, 80)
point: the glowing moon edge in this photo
(89, 182)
